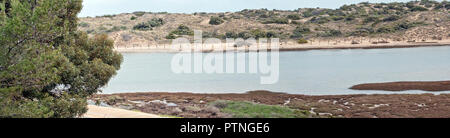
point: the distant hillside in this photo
(398, 21)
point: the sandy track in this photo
(108, 112)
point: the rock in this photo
(212, 109)
(171, 104)
(177, 110)
(90, 102)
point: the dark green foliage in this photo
(299, 32)
(171, 36)
(181, 30)
(276, 21)
(139, 13)
(216, 20)
(362, 31)
(108, 16)
(371, 19)
(418, 8)
(83, 24)
(47, 68)
(133, 18)
(231, 35)
(391, 18)
(398, 27)
(145, 26)
(294, 17)
(330, 33)
(142, 27)
(337, 18)
(319, 20)
(156, 22)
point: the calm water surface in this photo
(315, 72)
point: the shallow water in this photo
(314, 72)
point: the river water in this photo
(314, 72)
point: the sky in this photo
(104, 7)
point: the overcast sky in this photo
(103, 7)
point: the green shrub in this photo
(319, 20)
(183, 30)
(330, 33)
(142, 27)
(276, 21)
(231, 35)
(337, 18)
(156, 22)
(418, 8)
(108, 16)
(133, 18)
(391, 18)
(216, 20)
(299, 31)
(294, 17)
(139, 13)
(84, 24)
(253, 110)
(145, 26)
(371, 19)
(245, 35)
(385, 29)
(302, 41)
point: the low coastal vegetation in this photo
(272, 105)
(241, 109)
(397, 20)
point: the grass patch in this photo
(253, 110)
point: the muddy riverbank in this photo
(434, 86)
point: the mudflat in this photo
(191, 105)
(433, 86)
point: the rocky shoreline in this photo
(189, 105)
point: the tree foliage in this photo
(47, 67)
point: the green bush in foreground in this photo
(47, 67)
(252, 110)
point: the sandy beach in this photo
(109, 112)
(284, 46)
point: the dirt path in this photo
(108, 112)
